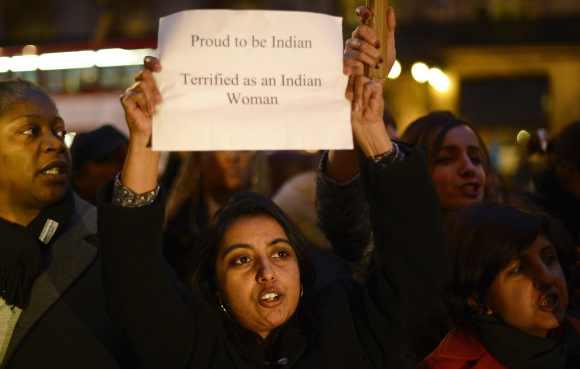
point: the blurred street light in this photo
(523, 137)
(420, 72)
(395, 70)
(23, 63)
(121, 57)
(4, 64)
(439, 80)
(67, 60)
(74, 60)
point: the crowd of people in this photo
(428, 261)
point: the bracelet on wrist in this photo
(125, 197)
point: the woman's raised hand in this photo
(363, 48)
(140, 102)
(369, 130)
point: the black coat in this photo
(343, 325)
(66, 324)
(559, 203)
(346, 221)
(564, 206)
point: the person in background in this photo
(558, 190)
(508, 295)
(97, 156)
(459, 166)
(458, 159)
(204, 184)
(53, 312)
(297, 197)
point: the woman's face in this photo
(229, 171)
(258, 274)
(34, 162)
(531, 294)
(458, 172)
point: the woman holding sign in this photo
(256, 301)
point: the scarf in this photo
(281, 348)
(24, 251)
(518, 350)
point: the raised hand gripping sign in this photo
(251, 80)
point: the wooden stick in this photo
(378, 22)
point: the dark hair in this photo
(98, 145)
(12, 91)
(430, 130)
(241, 205)
(429, 133)
(566, 147)
(483, 240)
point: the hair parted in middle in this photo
(240, 205)
(429, 131)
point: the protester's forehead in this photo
(461, 134)
(31, 103)
(250, 227)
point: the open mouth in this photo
(472, 190)
(54, 169)
(270, 298)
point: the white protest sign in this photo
(251, 80)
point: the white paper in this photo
(210, 101)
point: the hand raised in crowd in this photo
(140, 102)
(363, 48)
(367, 117)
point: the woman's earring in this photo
(301, 291)
(222, 306)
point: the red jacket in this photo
(461, 350)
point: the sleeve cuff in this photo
(327, 179)
(389, 157)
(125, 197)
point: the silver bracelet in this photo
(391, 156)
(127, 198)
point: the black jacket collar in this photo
(281, 349)
(25, 251)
